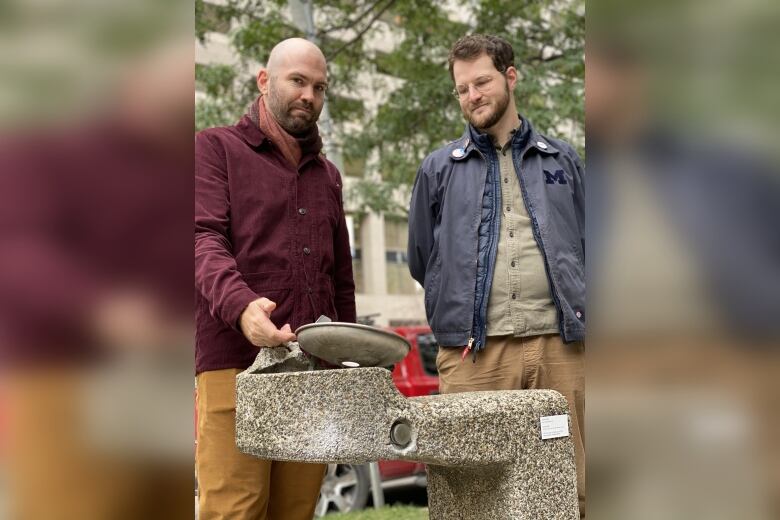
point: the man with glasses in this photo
(271, 254)
(496, 238)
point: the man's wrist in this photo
(236, 305)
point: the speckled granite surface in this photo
(484, 449)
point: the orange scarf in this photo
(264, 119)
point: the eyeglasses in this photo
(482, 84)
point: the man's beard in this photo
(485, 121)
(298, 123)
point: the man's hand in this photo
(257, 326)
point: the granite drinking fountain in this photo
(490, 455)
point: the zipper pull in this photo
(466, 350)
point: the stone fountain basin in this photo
(485, 455)
(348, 416)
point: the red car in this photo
(346, 486)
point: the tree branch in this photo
(351, 23)
(552, 57)
(362, 32)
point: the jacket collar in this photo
(255, 137)
(538, 141)
(473, 140)
(250, 132)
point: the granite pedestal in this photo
(485, 455)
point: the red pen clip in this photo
(467, 349)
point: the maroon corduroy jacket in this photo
(263, 229)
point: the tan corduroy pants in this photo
(236, 486)
(57, 465)
(535, 362)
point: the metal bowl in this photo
(351, 344)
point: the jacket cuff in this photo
(234, 306)
(346, 313)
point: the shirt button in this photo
(306, 251)
(511, 234)
(514, 296)
(508, 208)
(506, 180)
(302, 211)
(513, 263)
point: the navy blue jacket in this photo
(454, 222)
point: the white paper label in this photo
(554, 426)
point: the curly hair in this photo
(472, 46)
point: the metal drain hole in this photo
(401, 433)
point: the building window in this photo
(353, 224)
(399, 281)
(396, 257)
(354, 166)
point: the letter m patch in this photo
(552, 178)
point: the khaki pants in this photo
(233, 485)
(53, 469)
(536, 362)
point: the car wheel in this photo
(344, 489)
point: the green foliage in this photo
(367, 195)
(257, 36)
(215, 80)
(345, 109)
(396, 512)
(212, 17)
(220, 104)
(420, 114)
(213, 112)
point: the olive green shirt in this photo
(520, 302)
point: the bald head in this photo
(293, 84)
(294, 50)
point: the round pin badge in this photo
(458, 153)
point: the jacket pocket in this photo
(570, 274)
(431, 288)
(277, 286)
(577, 249)
(325, 297)
(269, 280)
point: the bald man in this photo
(271, 254)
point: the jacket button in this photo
(514, 296)
(578, 314)
(302, 211)
(306, 251)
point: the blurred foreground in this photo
(96, 329)
(684, 260)
(96, 377)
